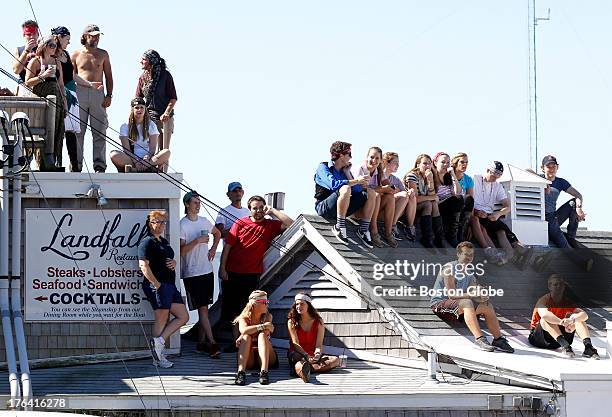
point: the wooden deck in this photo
(198, 382)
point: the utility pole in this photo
(533, 83)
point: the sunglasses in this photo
(159, 222)
(52, 45)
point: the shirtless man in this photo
(24, 53)
(91, 63)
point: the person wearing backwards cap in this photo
(139, 140)
(197, 269)
(254, 346)
(93, 64)
(488, 192)
(306, 332)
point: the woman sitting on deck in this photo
(254, 346)
(306, 330)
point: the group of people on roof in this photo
(82, 83)
(246, 233)
(451, 206)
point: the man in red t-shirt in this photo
(556, 319)
(243, 253)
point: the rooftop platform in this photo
(197, 382)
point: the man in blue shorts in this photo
(338, 194)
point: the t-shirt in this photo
(141, 146)
(396, 182)
(230, 214)
(156, 252)
(486, 194)
(467, 183)
(463, 281)
(550, 198)
(415, 178)
(195, 262)
(364, 170)
(560, 309)
(165, 92)
(250, 241)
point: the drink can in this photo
(343, 361)
(204, 232)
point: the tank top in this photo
(308, 339)
(67, 69)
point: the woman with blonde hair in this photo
(422, 179)
(139, 138)
(306, 331)
(156, 261)
(460, 163)
(405, 198)
(254, 346)
(449, 195)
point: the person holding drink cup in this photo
(156, 261)
(306, 332)
(197, 269)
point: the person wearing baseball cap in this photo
(234, 211)
(196, 268)
(92, 64)
(570, 211)
(486, 221)
(139, 138)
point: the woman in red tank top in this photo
(254, 346)
(306, 330)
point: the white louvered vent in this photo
(528, 202)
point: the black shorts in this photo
(542, 339)
(200, 290)
(493, 227)
(236, 291)
(163, 297)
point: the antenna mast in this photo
(533, 83)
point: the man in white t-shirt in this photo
(486, 221)
(197, 269)
(228, 215)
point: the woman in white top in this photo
(139, 140)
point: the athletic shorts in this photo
(200, 290)
(163, 297)
(544, 340)
(492, 227)
(449, 309)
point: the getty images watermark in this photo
(411, 271)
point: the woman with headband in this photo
(306, 330)
(254, 346)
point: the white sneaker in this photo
(163, 363)
(157, 348)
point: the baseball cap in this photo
(92, 30)
(496, 167)
(138, 101)
(188, 196)
(548, 159)
(233, 185)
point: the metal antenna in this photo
(533, 83)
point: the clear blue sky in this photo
(264, 87)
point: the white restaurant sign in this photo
(85, 267)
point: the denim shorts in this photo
(163, 297)
(328, 207)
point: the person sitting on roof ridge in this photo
(24, 54)
(488, 192)
(338, 194)
(306, 333)
(421, 179)
(455, 276)
(405, 198)
(556, 319)
(254, 346)
(460, 164)
(384, 202)
(450, 198)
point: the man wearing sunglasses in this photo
(243, 253)
(339, 195)
(486, 221)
